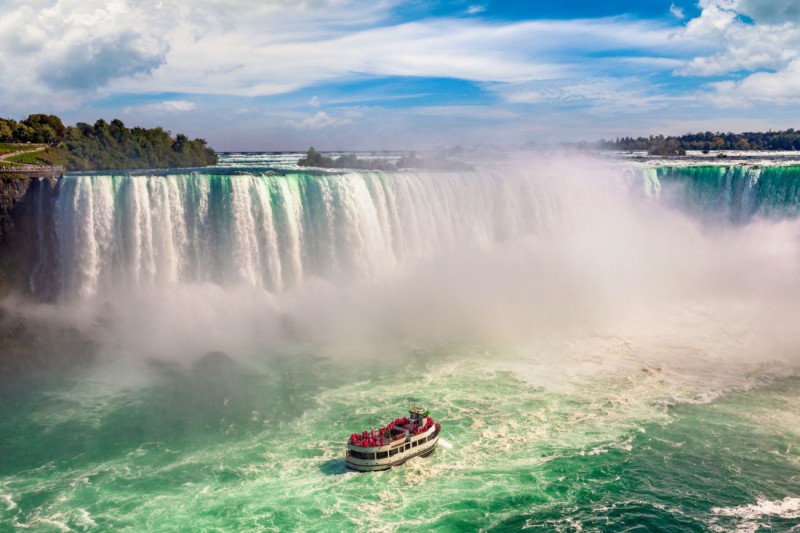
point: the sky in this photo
(404, 74)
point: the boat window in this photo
(394, 451)
(357, 455)
(383, 455)
(408, 446)
(416, 442)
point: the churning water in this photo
(605, 346)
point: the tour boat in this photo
(394, 444)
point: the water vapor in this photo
(532, 257)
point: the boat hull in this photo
(373, 465)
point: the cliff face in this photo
(12, 191)
(18, 197)
(30, 342)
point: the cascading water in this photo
(273, 230)
(600, 356)
(734, 193)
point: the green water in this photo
(597, 362)
(223, 446)
(736, 193)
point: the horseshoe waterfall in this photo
(605, 343)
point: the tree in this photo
(6, 131)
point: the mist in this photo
(532, 258)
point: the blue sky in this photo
(358, 74)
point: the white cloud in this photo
(769, 11)
(739, 45)
(782, 87)
(469, 112)
(452, 48)
(767, 51)
(167, 106)
(61, 53)
(59, 47)
(676, 12)
(264, 48)
(601, 95)
(318, 121)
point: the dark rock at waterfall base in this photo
(29, 345)
(215, 365)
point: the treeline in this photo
(707, 142)
(315, 159)
(105, 146)
(350, 161)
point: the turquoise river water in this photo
(602, 354)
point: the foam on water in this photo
(597, 358)
(751, 517)
(514, 451)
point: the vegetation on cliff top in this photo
(707, 142)
(315, 159)
(104, 146)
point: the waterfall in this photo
(274, 230)
(736, 194)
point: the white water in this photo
(269, 231)
(251, 257)
(545, 308)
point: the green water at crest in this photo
(733, 192)
(220, 446)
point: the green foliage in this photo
(707, 142)
(6, 131)
(315, 159)
(104, 146)
(666, 147)
(7, 148)
(51, 156)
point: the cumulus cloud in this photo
(256, 49)
(766, 49)
(738, 45)
(782, 87)
(60, 46)
(93, 64)
(63, 53)
(769, 11)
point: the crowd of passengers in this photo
(384, 435)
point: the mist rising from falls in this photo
(552, 308)
(252, 260)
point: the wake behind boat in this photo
(394, 444)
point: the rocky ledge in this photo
(16, 199)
